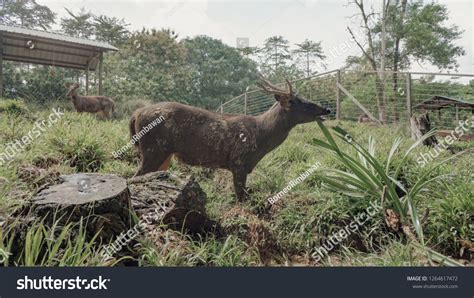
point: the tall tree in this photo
(416, 31)
(370, 53)
(27, 14)
(110, 29)
(306, 53)
(152, 65)
(276, 52)
(219, 71)
(419, 32)
(79, 24)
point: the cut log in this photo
(164, 198)
(101, 201)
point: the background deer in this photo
(102, 105)
(205, 138)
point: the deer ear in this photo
(283, 100)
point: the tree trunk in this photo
(178, 202)
(396, 58)
(419, 127)
(101, 201)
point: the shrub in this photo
(126, 108)
(13, 107)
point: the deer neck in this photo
(273, 127)
(74, 98)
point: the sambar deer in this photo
(102, 105)
(210, 139)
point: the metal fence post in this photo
(245, 102)
(1, 66)
(409, 98)
(338, 95)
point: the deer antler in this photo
(290, 87)
(268, 87)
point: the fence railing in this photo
(351, 93)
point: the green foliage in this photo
(50, 246)
(27, 14)
(13, 107)
(306, 53)
(125, 109)
(276, 61)
(219, 72)
(365, 176)
(78, 25)
(151, 65)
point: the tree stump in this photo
(420, 126)
(164, 198)
(101, 201)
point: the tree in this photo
(28, 14)
(219, 72)
(110, 29)
(151, 64)
(306, 53)
(415, 32)
(370, 54)
(78, 25)
(276, 52)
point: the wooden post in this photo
(1, 67)
(101, 59)
(222, 108)
(457, 114)
(338, 95)
(409, 99)
(351, 97)
(87, 80)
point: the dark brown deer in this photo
(204, 138)
(102, 105)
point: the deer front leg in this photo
(240, 179)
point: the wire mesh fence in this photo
(389, 97)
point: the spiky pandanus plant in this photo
(364, 176)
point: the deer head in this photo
(298, 109)
(71, 88)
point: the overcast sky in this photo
(318, 20)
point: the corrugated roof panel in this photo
(57, 37)
(35, 46)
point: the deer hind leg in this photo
(152, 162)
(108, 112)
(166, 164)
(103, 114)
(240, 180)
